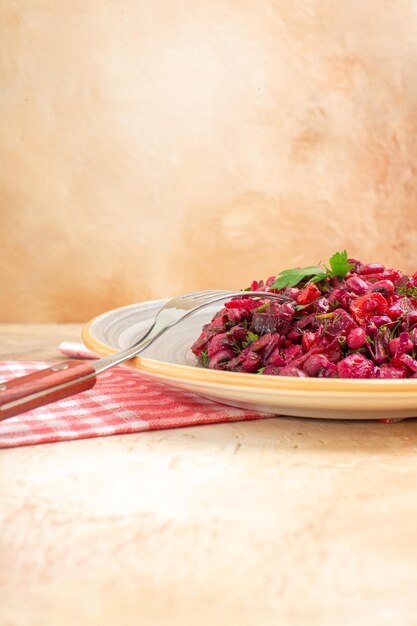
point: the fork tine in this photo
(220, 294)
(207, 293)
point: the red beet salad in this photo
(349, 320)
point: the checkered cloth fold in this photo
(122, 401)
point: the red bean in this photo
(386, 287)
(356, 338)
(357, 285)
(372, 268)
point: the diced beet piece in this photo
(357, 285)
(252, 361)
(218, 343)
(333, 352)
(239, 333)
(234, 364)
(400, 308)
(356, 338)
(322, 305)
(219, 360)
(400, 345)
(330, 371)
(308, 294)
(293, 292)
(368, 306)
(314, 364)
(261, 343)
(264, 323)
(308, 340)
(276, 358)
(275, 322)
(292, 371)
(236, 315)
(329, 346)
(341, 296)
(413, 336)
(355, 366)
(218, 323)
(309, 321)
(291, 353)
(412, 317)
(200, 343)
(407, 360)
(287, 310)
(273, 344)
(341, 324)
(271, 370)
(389, 371)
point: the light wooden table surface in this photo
(270, 523)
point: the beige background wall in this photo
(154, 147)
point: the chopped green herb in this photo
(339, 266)
(410, 291)
(236, 347)
(262, 308)
(342, 342)
(370, 340)
(260, 370)
(204, 358)
(250, 338)
(396, 328)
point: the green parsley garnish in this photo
(291, 278)
(339, 266)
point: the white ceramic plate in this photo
(171, 360)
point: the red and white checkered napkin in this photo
(122, 401)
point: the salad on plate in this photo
(347, 320)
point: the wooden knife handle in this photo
(28, 392)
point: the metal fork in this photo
(71, 377)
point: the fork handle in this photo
(47, 385)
